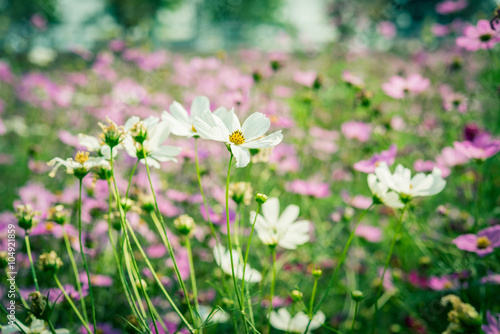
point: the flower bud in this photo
(139, 132)
(296, 295)
(112, 134)
(26, 216)
(241, 192)
(141, 284)
(49, 262)
(185, 225)
(58, 214)
(317, 273)
(38, 305)
(357, 295)
(260, 198)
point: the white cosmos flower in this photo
(283, 230)
(145, 139)
(408, 187)
(282, 320)
(382, 194)
(79, 166)
(223, 259)
(37, 326)
(93, 144)
(181, 121)
(225, 127)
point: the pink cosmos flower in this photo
(440, 30)
(305, 78)
(493, 325)
(482, 244)
(369, 233)
(450, 157)
(452, 100)
(352, 80)
(356, 130)
(117, 45)
(398, 87)
(368, 166)
(387, 29)
(446, 282)
(450, 6)
(481, 147)
(97, 280)
(309, 188)
(478, 37)
(428, 165)
(284, 156)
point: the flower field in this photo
(340, 190)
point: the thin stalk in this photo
(28, 248)
(161, 230)
(192, 273)
(75, 271)
(273, 283)
(387, 261)
(478, 198)
(248, 251)
(51, 327)
(341, 261)
(126, 225)
(59, 285)
(355, 315)
(83, 253)
(130, 180)
(313, 296)
(133, 282)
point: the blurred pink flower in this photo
(478, 37)
(369, 233)
(5, 72)
(493, 326)
(440, 30)
(285, 158)
(368, 166)
(428, 165)
(446, 282)
(356, 130)
(305, 78)
(386, 29)
(450, 6)
(39, 21)
(309, 188)
(398, 87)
(481, 147)
(450, 157)
(117, 45)
(352, 80)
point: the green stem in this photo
(313, 296)
(341, 261)
(75, 272)
(163, 233)
(273, 283)
(248, 248)
(387, 261)
(354, 317)
(83, 253)
(28, 248)
(192, 274)
(68, 299)
(478, 197)
(130, 181)
(51, 327)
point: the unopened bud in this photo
(296, 295)
(185, 224)
(260, 198)
(49, 262)
(357, 295)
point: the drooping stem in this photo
(387, 261)
(91, 293)
(273, 283)
(28, 248)
(68, 299)
(341, 261)
(75, 271)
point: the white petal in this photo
(241, 154)
(90, 142)
(269, 141)
(199, 105)
(271, 210)
(255, 126)
(289, 215)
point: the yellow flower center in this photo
(193, 129)
(448, 285)
(483, 242)
(49, 226)
(82, 157)
(237, 137)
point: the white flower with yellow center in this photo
(223, 259)
(80, 166)
(181, 121)
(224, 126)
(282, 320)
(382, 194)
(408, 187)
(283, 230)
(145, 138)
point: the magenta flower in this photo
(446, 282)
(450, 6)
(398, 87)
(483, 243)
(481, 147)
(309, 188)
(493, 326)
(368, 166)
(356, 130)
(478, 37)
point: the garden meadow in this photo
(341, 190)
